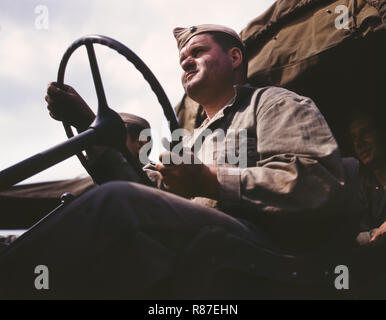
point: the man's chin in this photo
(368, 161)
(193, 89)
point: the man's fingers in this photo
(170, 179)
(375, 236)
(63, 87)
(52, 89)
(54, 117)
(51, 84)
(51, 107)
(56, 93)
(48, 99)
(166, 172)
(159, 166)
(54, 113)
(59, 99)
(167, 175)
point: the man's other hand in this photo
(188, 179)
(65, 104)
(379, 236)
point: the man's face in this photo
(205, 65)
(134, 146)
(366, 142)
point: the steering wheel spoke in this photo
(96, 75)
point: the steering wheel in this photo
(108, 124)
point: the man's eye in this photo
(368, 132)
(197, 52)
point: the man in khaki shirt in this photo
(276, 183)
(369, 146)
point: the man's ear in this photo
(236, 56)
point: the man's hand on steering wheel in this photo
(65, 104)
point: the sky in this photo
(35, 34)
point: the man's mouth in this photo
(364, 153)
(190, 73)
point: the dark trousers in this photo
(123, 240)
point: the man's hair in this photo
(227, 42)
(134, 126)
(134, 130)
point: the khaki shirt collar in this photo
(240, 92)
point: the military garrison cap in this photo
(183, 35)
(129, 118)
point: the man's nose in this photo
(188, 64)
(359, 143)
